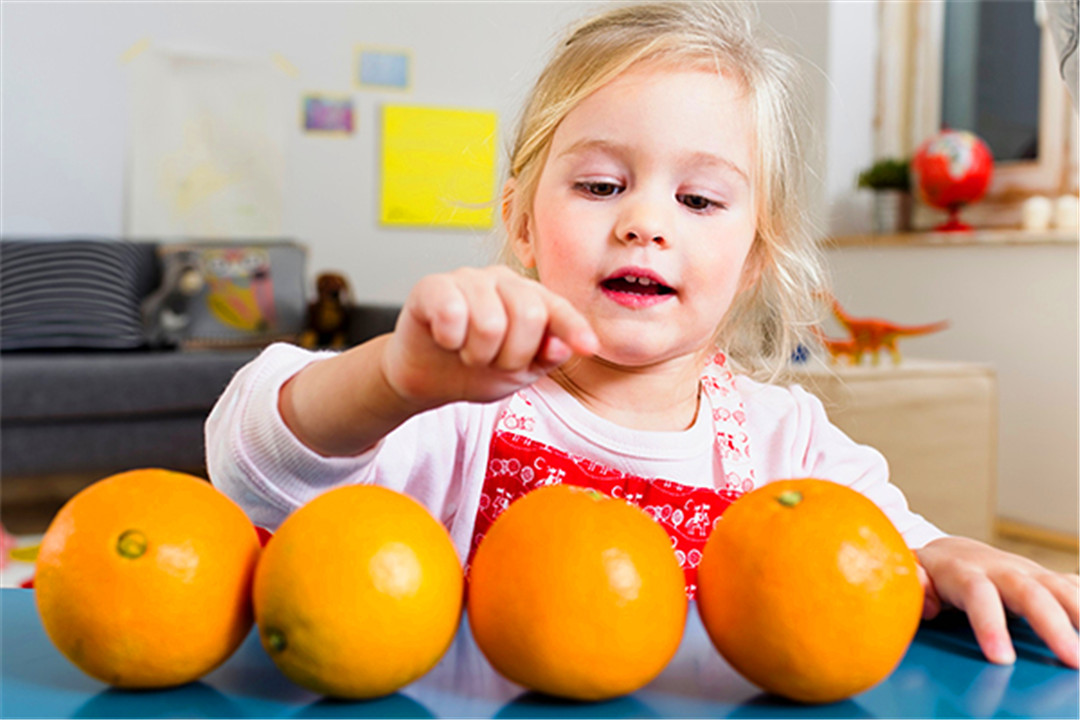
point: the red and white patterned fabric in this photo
(459, 456)
(519, 463)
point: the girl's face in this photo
(644, 214)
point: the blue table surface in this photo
(942, 675)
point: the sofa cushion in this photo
(50, 387)
(103, 447)
(74, 293)
(228, 294)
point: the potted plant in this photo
(890, 179)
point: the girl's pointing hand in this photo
(479, 335)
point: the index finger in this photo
(569, 325)
(986, 613)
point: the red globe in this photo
(950, 170)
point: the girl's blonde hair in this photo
(769, 318)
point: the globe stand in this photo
(954, 223)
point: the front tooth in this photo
(645, 281)
(630, 279)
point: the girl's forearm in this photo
(344, 405)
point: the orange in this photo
(807, 589)
(358, 593)
(144, 578)
(576, 594)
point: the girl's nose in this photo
(642, 224)
(633, 236)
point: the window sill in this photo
(974, 237)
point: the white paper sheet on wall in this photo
(207, 146)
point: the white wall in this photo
(65, 111)
(803, 30)
(849, 120)
(65, 122)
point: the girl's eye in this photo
(599, 189)
(698, 202)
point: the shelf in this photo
(885, 369)
(936, 424)
(974, 237)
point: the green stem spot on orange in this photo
(789, 498)
(276, 639)
(132, 544)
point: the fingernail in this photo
(557, 351)
(587, 340)
(1002, 652)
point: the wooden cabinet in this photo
(936, 424)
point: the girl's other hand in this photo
(984, 581)
(479, 335)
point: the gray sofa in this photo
(95, 411)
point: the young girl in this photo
(663, 269)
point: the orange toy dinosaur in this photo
(839, 347)
(870, 335)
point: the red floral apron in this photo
(518, 463)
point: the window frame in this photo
(910, 63)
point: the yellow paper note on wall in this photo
(438, 167)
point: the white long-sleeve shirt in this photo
(466, 461)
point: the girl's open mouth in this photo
(636, 289)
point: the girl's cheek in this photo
(559, 234)
(554, 245)
(562, 254)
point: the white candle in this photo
(1036, 213)
(1067, 212)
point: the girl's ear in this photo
(516, 222)
(508, 204)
